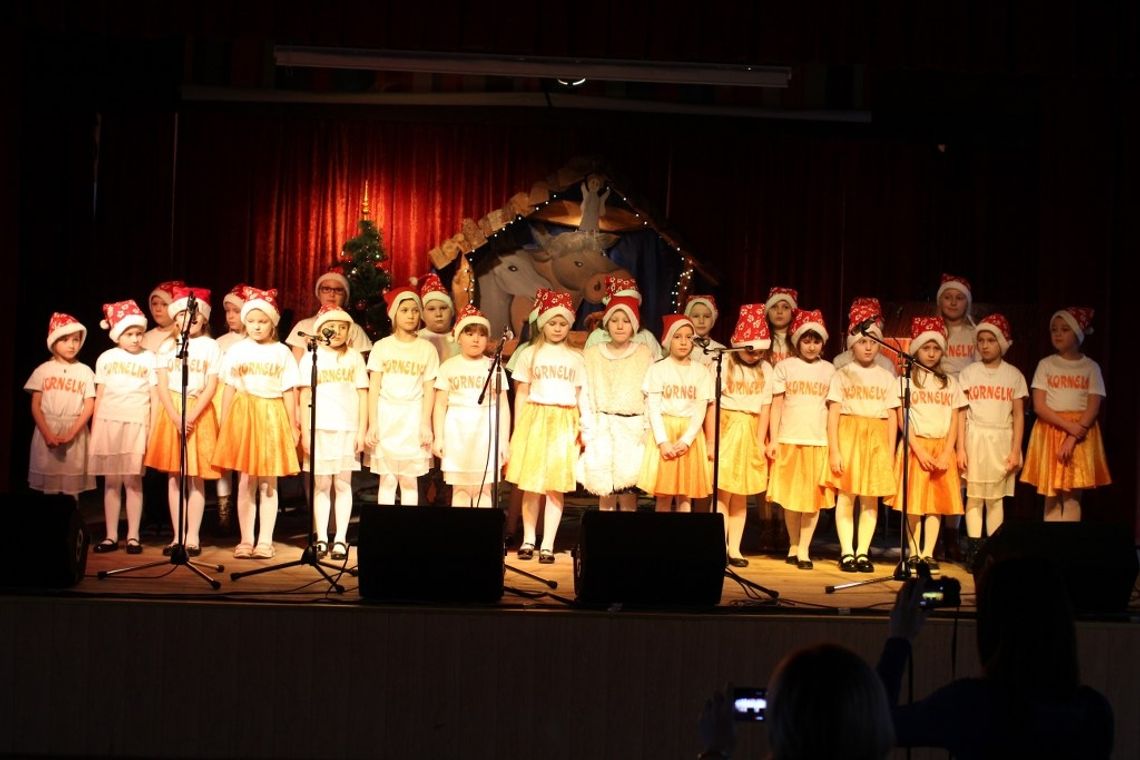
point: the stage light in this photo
(572, 82)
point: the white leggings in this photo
(112, 504)
(248, 510)
(322, 501)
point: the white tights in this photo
(845, 522)
(322, 503)
(112, 504)
(734, 507)
(409, 492)
(801, 528)
(622, 502)
(471, 496)
(248, 509)
(665, 503)
(995, 512)
(550, 521)
(195, 506)
(929, 539)
(1064, 507)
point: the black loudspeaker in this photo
(1097, 560)
(49, 549)
(431, 554)
(650, 559)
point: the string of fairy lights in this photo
(680, 290)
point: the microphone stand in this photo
(718, 357)
(903, 571)
(493, 412)
(309, 554)
(178, 554)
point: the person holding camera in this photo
(1029, 701)
(823, 702)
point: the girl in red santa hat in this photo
(551, 417)
(703, 313)
(678, 395)
(798, 435)
(63, 398)
(745, 401)
(401, 392)
(123, 398)
(203, 360)
(1066, 452)
(235, 333)
(781, 309)
(259, 428)
(933, 484)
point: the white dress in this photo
(64, 387)
(611, 461)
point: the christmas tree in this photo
(362, 262)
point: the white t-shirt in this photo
(779, 350)
(685, 389)
(744, 388)
(932, 407)
(881, 360)
(266, 370)
(126, 379)
(404, 367)
(803, 420)
(700, 357)
(990, 392)
(340, 378)
(445, 345)
(463, 380)
(555, 372)
(1068, 383)
(356, 335)
(64, 385)
(154, 338)
(204, 359)
(229, 340)
(960, 349)
(864, 391)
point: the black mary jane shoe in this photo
(847, 563)
(805, 564)
(546, 557)
(193, 550)
(105, 546)
(791, 560)
(321, 548)
(339, 551)
(168, 550)
(134, 546)
(738, 561)
(525, 552)
(863, 564)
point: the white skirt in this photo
(612, 459)
(986, 450)
(400, 450)
(64, 468)
(336, 452)
(467, 444)
(116, 447)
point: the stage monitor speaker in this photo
(1097, 560)
(431, 554)
(650, 559)
(50, 546)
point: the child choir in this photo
(628, 414)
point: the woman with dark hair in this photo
(1029, 702)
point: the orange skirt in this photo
(163, 450)
(797, 479)
(256, 438)
(928, 493)
(743, 468)
(1087, 468)
(868, 467)
(687, 475)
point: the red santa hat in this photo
(708, 301)
(670, 324)
(629, 305)
(118, 316)
(864, 308)
(431, 289)
(182, 299)
(555, 303)
(803, 321)
(335, 274)
(165, 290)
(469, 315)
(925, 329)
(396, 296)
(998, 325)
(261, 300)
(539, 295)
(62, 325)
(236, 296)
(330, 313)
(776, 294)
(621, 286)
(752, 328)
(954, 282)
(1079, 318)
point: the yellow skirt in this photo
(687, 475)
(256, 438)
(743, 468)
(929, 493)
(797, 480)
(163, 450)
(544, 448)
(1088, 467)
(864, 446)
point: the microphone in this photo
(507, 335)
(307, 336)
(701, 341)
(328, 333)
(863, 326)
